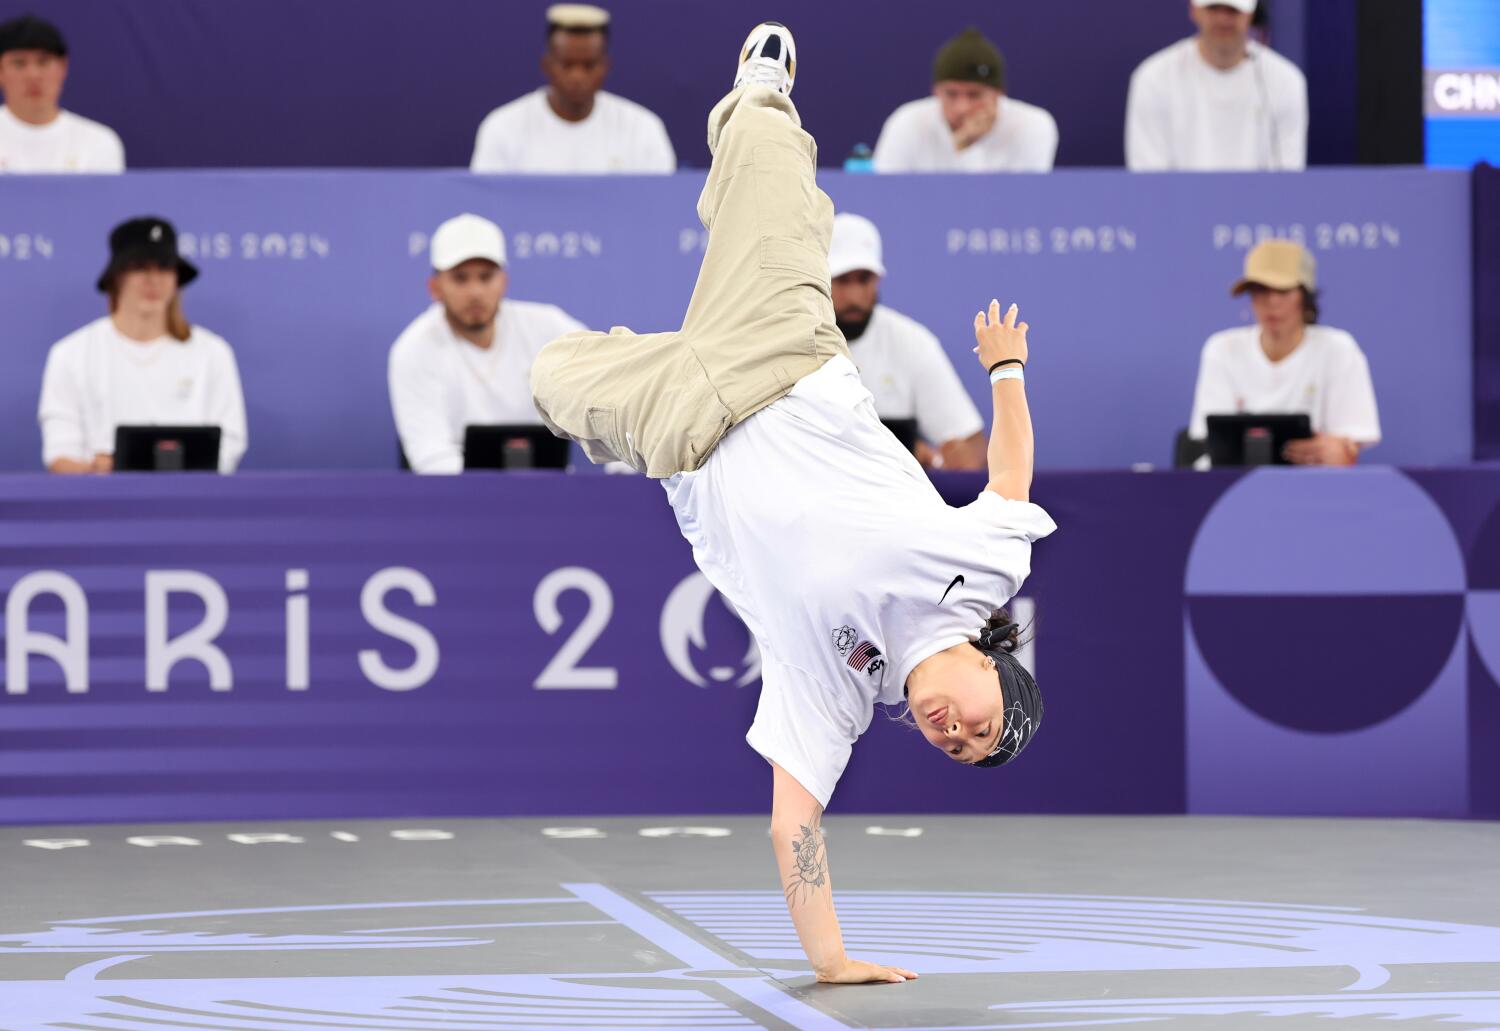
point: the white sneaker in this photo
(769, 58)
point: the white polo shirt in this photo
(842, 559)
(916, 138)
(97, 378)
(68, 143)
(1183, 114)
(619, 135)
(905, 369)
(1327, 377)
(441, 383)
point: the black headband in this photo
(1022, 714)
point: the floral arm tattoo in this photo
(809, 864)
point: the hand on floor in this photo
(857, 971)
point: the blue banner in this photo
(311, 276)
(1461, 63)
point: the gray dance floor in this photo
(1013, 922)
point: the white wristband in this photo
(1000, 374)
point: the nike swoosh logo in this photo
(958, 581)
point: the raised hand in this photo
(999, 340)
(977, 123)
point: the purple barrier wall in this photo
(492, 644)
(391, 83)
(311, 276)
(1487, 312)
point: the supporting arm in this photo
(802, 857)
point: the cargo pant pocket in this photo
(789, 212)
(604, 441)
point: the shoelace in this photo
(763, 71)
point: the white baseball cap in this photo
(579, 17)
(855, 246)
(465, 237)
(1243, 6)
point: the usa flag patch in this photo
(862, 656)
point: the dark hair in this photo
(999, 640)
(999, 632)
(553, 29)
(1310, 300)
(29, 32)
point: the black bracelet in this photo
(1006, 361)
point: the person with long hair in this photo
(142, 364)
(859, 584)
(1288, 361)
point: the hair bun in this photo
(1000, 633)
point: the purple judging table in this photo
(194, 647)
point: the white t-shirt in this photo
(619, 135)
(916, 138)
(68, 143)
(1183, 114)
(905, 369)
(837, 552)
(441, 383)
(1327, 377)
(97, 378)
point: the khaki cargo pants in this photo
(760, 319)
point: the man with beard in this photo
(900, 361)
(1217, 101)
(466, 360)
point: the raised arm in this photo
(1010, 451)
(802, 857)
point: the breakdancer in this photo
(860, 585)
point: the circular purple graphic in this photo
(1326, 664)
(1321, 615)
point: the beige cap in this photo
(855, 246)
(464, 238)
(1278, 264)
(1243, 6)
(577, 16)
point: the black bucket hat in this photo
(148, 240)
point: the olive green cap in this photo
(969, 57)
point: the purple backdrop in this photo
(1487, 312)
(311, 276)
(492, 644)
(391, 83)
